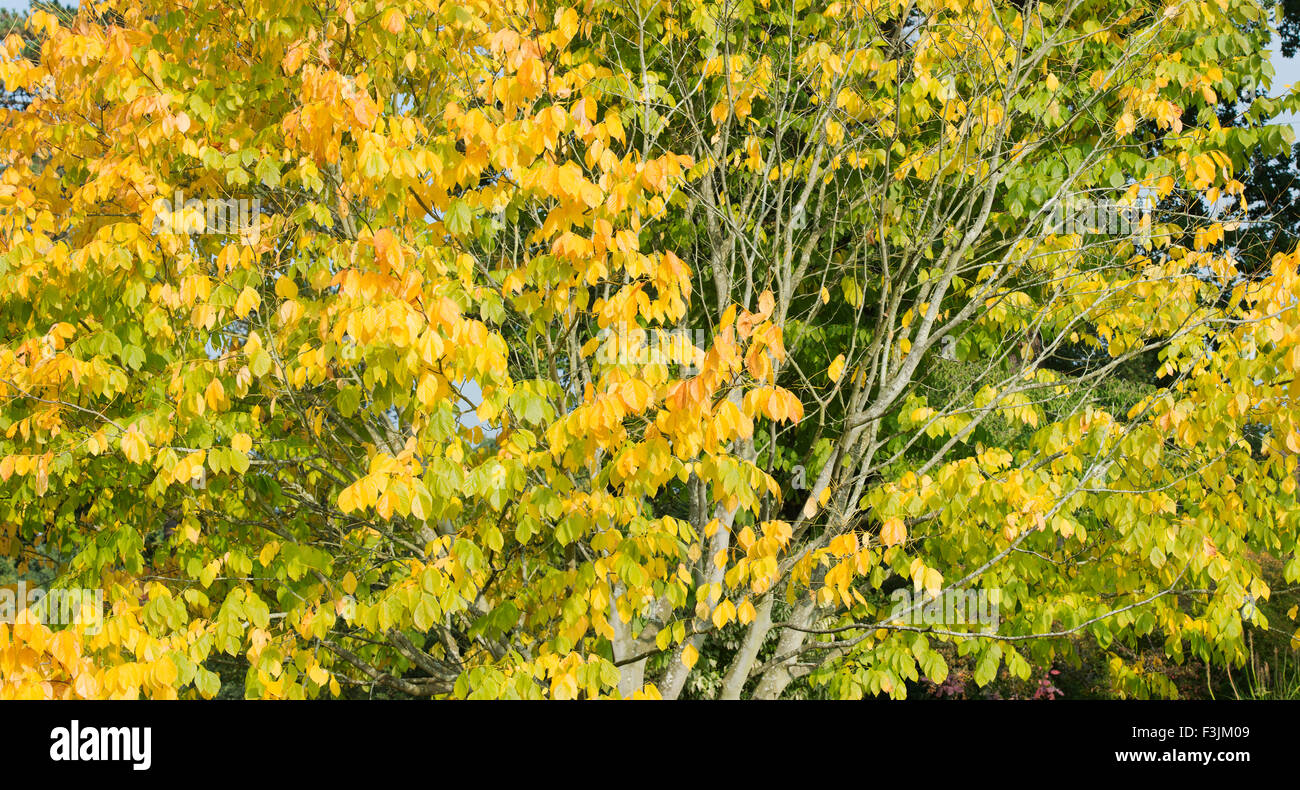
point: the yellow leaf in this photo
(181, 472)
(164, 671)
(689, 656)
(349, 583)
(134, 446)
(347, 500)
(837, 368)
(248, 300)
(568, 22)
(65, 648)
(745, 612)
(810, 508)
(86, 686)
(215, 395)
(893, 532)
(1125, 125)
(286, 288)
(844, 545)
(209, 573)
(394, 22)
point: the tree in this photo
(1270, 176)
(405, 417)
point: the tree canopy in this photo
(407, 421)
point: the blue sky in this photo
(1288, 73)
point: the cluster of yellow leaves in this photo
(36, 663)
(103, 655)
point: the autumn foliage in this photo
(375, 439)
